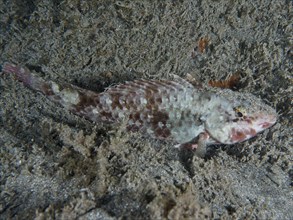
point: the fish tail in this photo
(75, 99)
(27, 78)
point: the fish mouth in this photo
(265, 125)
(265, 122)
(252, 128)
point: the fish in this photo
(176, 110)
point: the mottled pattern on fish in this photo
(169, 110)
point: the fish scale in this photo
(164, 109)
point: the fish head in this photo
(238, 117)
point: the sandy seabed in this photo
(54, 164)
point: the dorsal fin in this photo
(153, 86)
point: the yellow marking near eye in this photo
(240, 111)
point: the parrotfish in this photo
(172, 110)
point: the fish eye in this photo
(240, 111)
(239, 114)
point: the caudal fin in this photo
(27, 78)
(73, 98)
